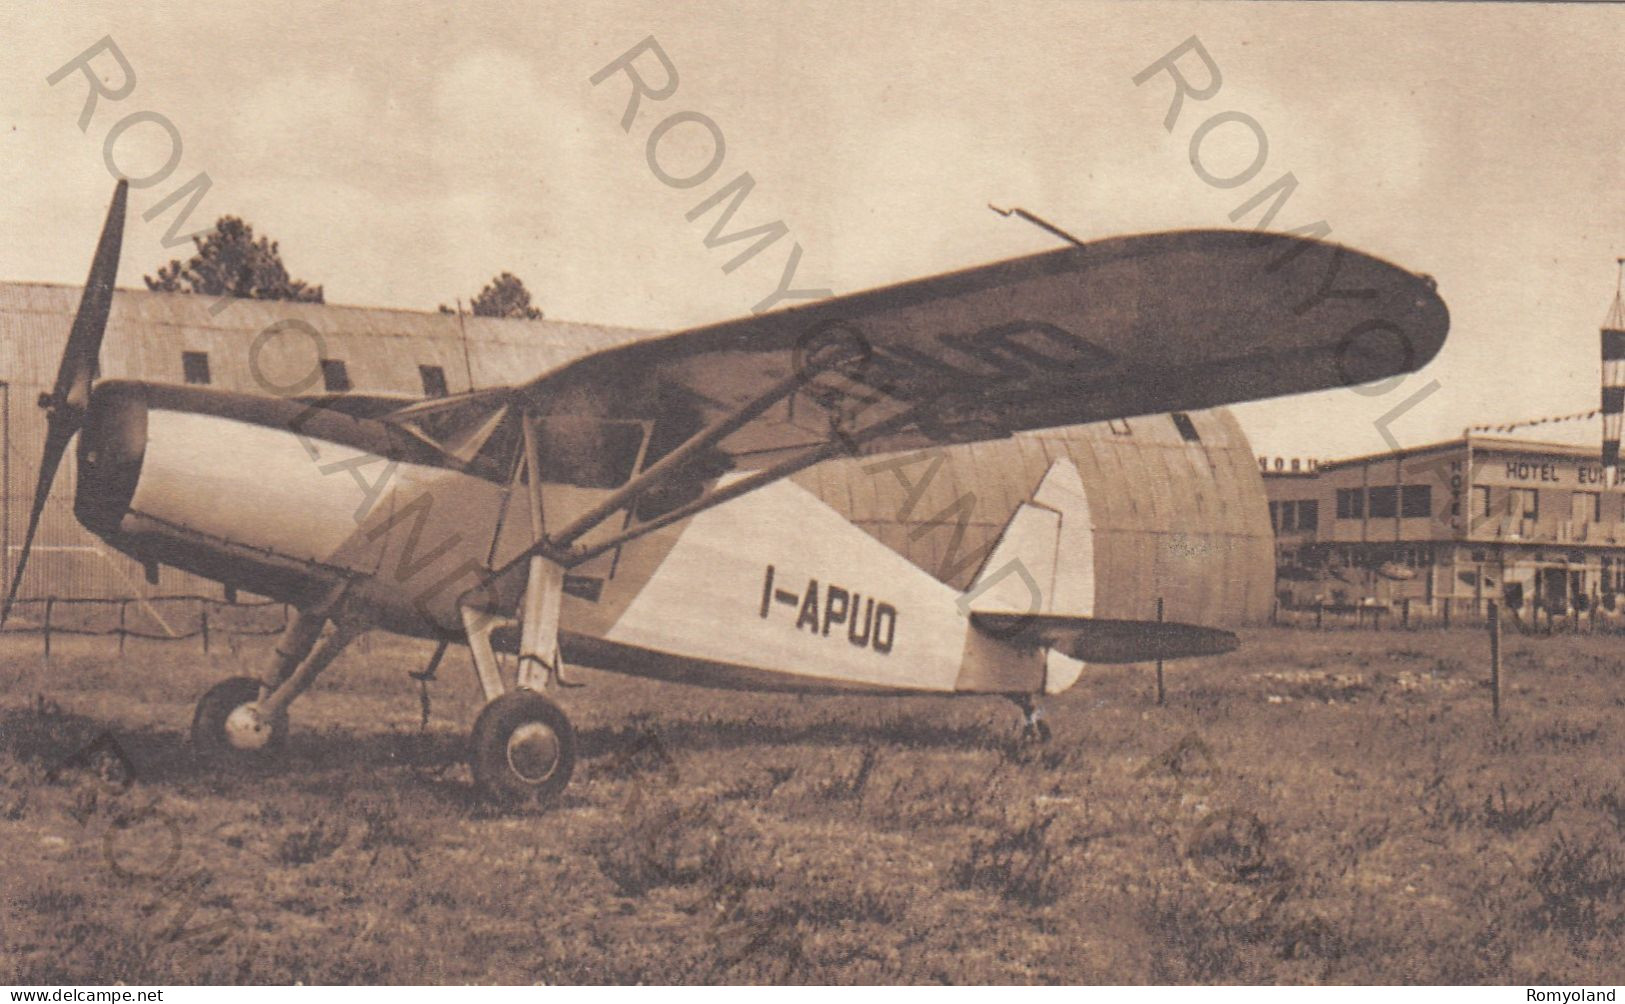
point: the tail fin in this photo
(1044, 561)
(1037, 587)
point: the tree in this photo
(231, 262)
(504, 296)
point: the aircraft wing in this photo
(1120, 327)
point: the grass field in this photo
(1333, 807)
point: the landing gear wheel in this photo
(523, 749)
(227, 722)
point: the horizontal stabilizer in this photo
(1095, 639)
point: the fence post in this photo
(50, 601)
(205, 625)
(1320, 614)
(1159, 661)
(1495, 659)
(123, 608)
(1447, 605)
(1405, 612)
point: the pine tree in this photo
(231, 262)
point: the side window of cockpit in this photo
(678, 421)
(588, 452)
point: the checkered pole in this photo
(1613, 381)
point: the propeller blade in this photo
(78, 366)
(69, 397)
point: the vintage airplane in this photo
(644, 508)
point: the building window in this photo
(1186, 427)
(1587, 507)
(1481, 503)
(434, 381)
(1289, 515)
(1383, 501)
(1275, 515)
(1525, 503)
(1309, 514)
(1350, 503)
(1416, 501)
(195, 367)
(335, 377)
(1119, 426)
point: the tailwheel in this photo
(1034, 730)
(523, 748)
(228, 722)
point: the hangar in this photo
(1172, 497)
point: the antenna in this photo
(468, 362)
(1036, 221)
(1616, 311)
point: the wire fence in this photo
(148, 618)
(1406, 615)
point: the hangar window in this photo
(1416, 501)
(1350, 503)
(434, 381)
(195, 367)
(1119, 426)
(1186, 427)
(335, 376)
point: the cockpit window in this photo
(580, 451)
(588, 452)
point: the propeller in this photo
(69, 397)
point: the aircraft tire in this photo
(522, 749)
(212, 722)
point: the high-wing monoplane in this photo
(647, 508)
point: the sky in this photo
(403, 155)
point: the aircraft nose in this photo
(111, 446)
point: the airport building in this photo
(1450, 525)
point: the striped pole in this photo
(1613, 382)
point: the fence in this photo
(150, 618)
(1405, 614)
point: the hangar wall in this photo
(1179, 512)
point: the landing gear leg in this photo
(244, 717)
(522, 747)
